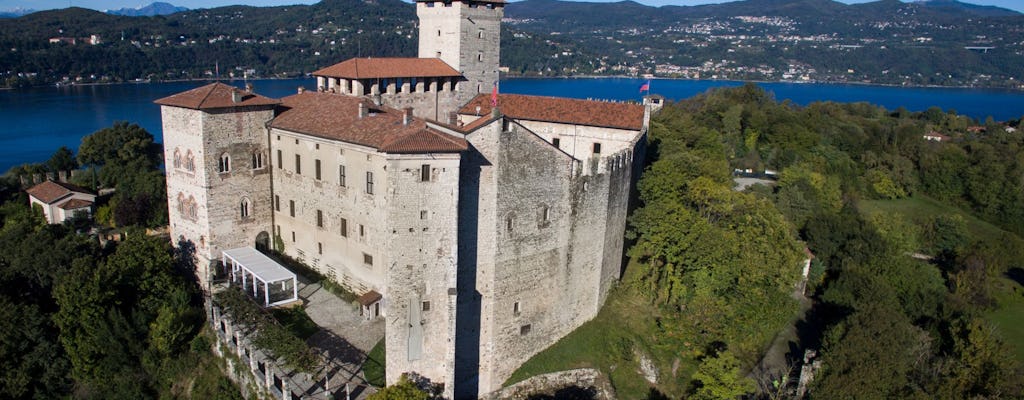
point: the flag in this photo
(494, 95)
(646, 87)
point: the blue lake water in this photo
(38, 121)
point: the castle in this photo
(483, 227)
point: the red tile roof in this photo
(368, 298)
(369, 68)
(75, 204)
(336, 117)
(50, 191)
(561, 110)
(213, 96)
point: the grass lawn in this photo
(1009, 316)
(373, 368)
(296, 321)
(607, 343)
(919, 209)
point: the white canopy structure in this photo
(261, 276)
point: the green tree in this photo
(720, 378)
(404, 389)
(62, 160)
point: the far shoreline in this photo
(1019, 89)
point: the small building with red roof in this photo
(61, 201)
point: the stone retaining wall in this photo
(586, 379)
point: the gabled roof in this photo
(49, 192)
(333, 116)
(370, 68)
(75, 204)
(561, 110)
(213, 96)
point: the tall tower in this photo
(466, 34)
(216, 153)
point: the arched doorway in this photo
(263, 242)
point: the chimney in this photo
(362, 110)
(406, 115)
(248, 87)
(302, 89)
(236, 96)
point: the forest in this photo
(118, 320)
(915, 287)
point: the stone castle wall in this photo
(422, 218)
(182, 133)
(466, 35)
(341, 256)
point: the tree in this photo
(719, 378)
(404, 389)
(62, 160)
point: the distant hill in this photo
(158, 8)
(973, 9)
(885, 41)
(15, 13)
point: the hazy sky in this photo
(115, 4)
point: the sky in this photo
(116, 4)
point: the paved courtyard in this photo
(345, 337)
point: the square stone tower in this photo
(466, 34)
(218, 170)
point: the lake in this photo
(39, 120)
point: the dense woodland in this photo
(721, 264)
(120, 320)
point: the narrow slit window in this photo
(425, 173)
(316, 169)
(341, 175)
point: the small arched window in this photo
(177, 158)
(190, 161)
(224, 163)
(181, 204)
(257, 160)
(191, 211)
(244, 208)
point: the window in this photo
(190, 161)
(224, 164)
(423, 214)
(341, 175)
(425, 173)
(480, 56)
(298, 164)
(597, 148)
(509, 223)
(369, 182)
(438, 31)
(293, 236)
(277, 203)
(480, 34)
(177, 158)
(367, 259)
(316, 169)
(557, 143)
(319, 248)
(319, 218)
(257, 160)
(524, 329)
(291, 208)
(515, 309)
(280, 163)
(244, 208)
(426, 306)
(362, 231)
(545, 214)
(344, 227)
(439, 54)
